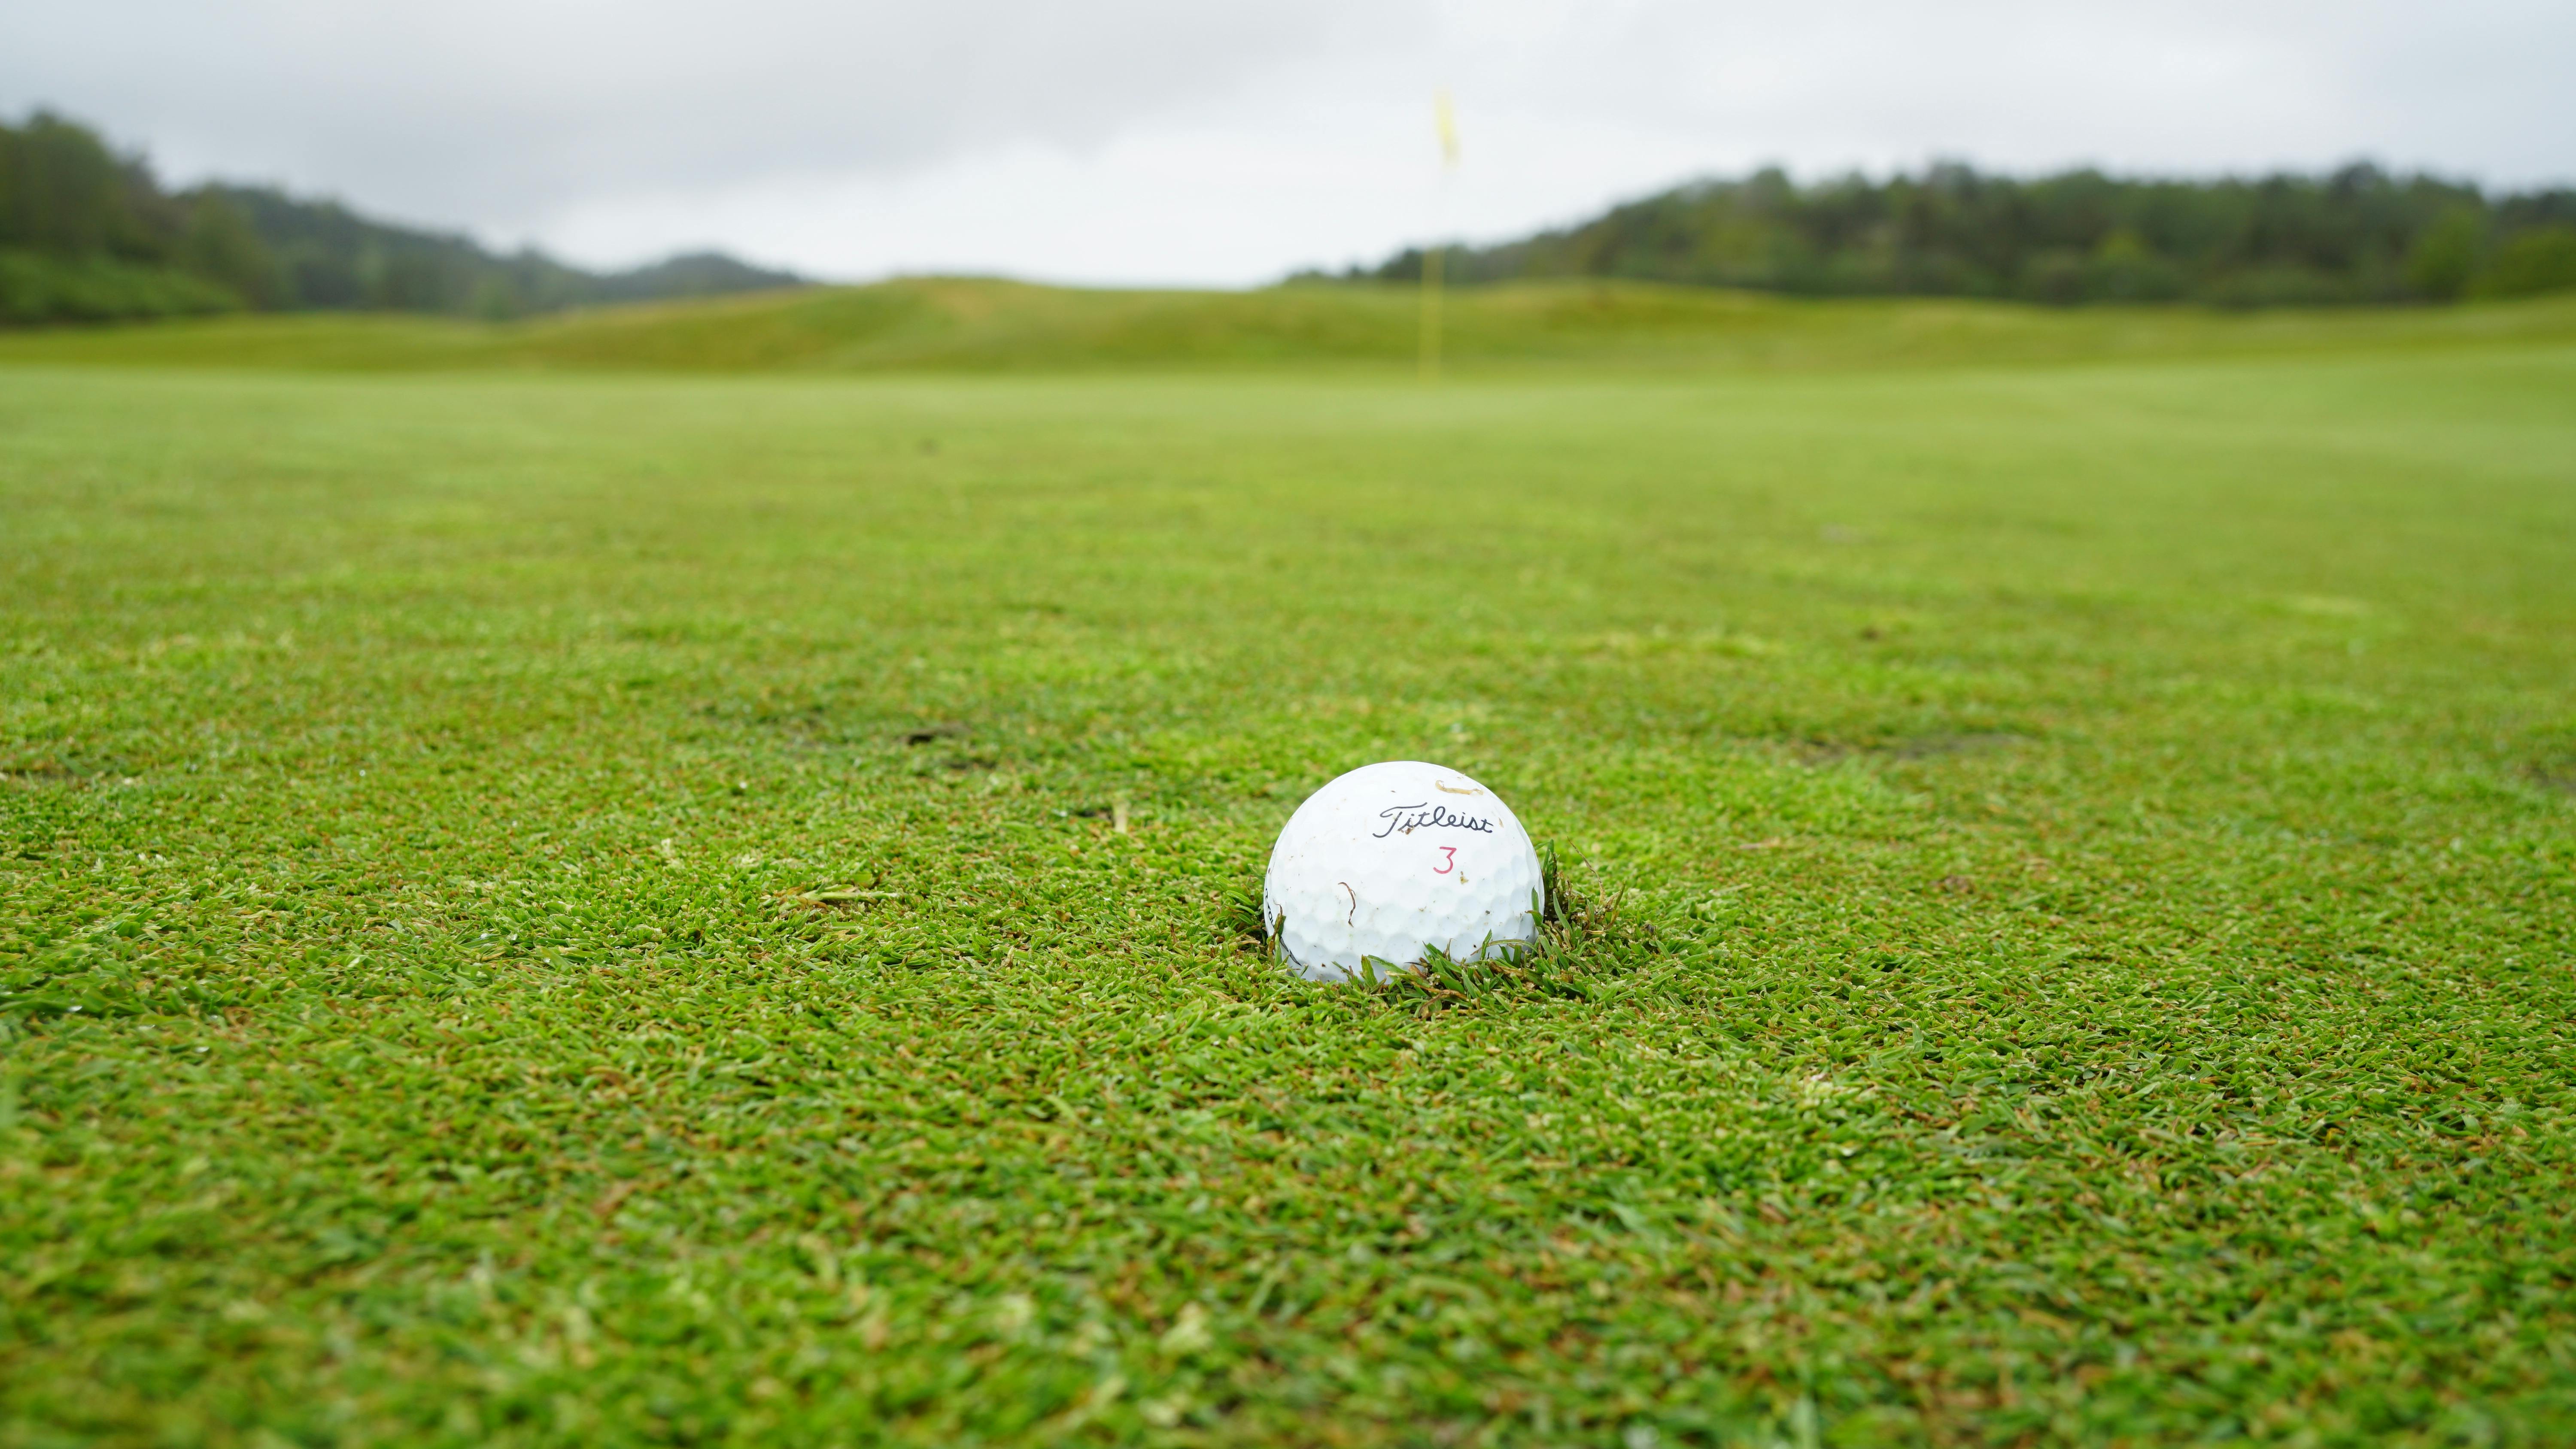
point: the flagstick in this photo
(1431, 312)
(1435, 255)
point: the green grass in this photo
(587, 910)
(974, 325)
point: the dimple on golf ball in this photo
(1393, 859)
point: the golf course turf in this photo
(561, 907)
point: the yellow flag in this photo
(1447, 117)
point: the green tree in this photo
(2356, 235)
(222, 248)
(63, 192)
(2541, 259)
(2125, 269)
(2446, 255)
(497, 299)
(87, 233)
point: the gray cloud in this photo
(506, 108)
(2475, 86)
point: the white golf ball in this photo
(1392, 859)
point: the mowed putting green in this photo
(578, 910)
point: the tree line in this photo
(87, 233)
(2359, 235)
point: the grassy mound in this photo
(978, 325)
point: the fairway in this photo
(564, 908)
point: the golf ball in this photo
(1392, 859)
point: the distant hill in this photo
(2359, 235)
(87, 234)
(692, 274)
(323, 256)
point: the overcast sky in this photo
(1196, 141)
